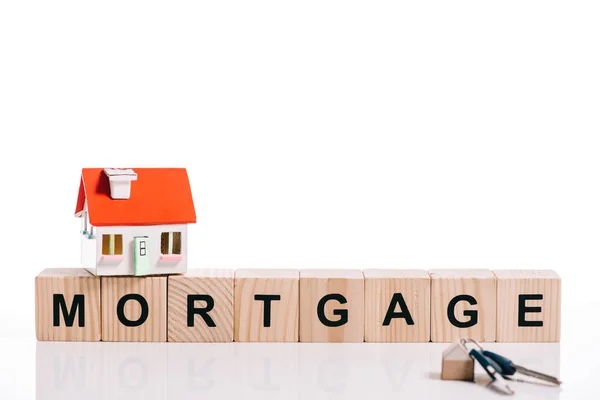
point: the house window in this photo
(170, 243)
(112, 245)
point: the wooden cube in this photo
(266, 305)
(201, 306)
(529, 304)
(463, 305)
(332, 306)
(457, 365)
(67, 305)
(397, 305)
(134, 309)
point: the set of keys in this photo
(500, 368)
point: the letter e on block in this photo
(463, 305)
(67, 305)
(201, 306)
(134, 309)
(266, 305)
(529, 303)
(332, 305)
(397, 305)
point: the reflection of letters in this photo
(133, 374)
(71, 369)
(332, 375)
(200, 377)
(266, 383)
(397, 372)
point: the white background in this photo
(315, 134)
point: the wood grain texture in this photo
(380, 287)
(511, 284)
(457, 365)
(151, 288)
(249, 323)
(68, 282)
(314, 284)
(218, 284)
(478, 283)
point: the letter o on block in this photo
(331, 306)
(463, 305)
(67, 305)
(134, 309)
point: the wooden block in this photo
(457, 365)
(67, 305)
(529, 304)
(397, 305)
(266, 305)
(201, 306)
(332, 306)
(463, 305)
(134, 309)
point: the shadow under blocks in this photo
(286, 305)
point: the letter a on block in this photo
(134, 309)
(201, 306)
(463, 305)
(67, 305)
(332, 306)
(397, 305)
(529, 304)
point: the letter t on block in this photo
(529, 304)
(67, 305)
(266, 305)
(463, 305)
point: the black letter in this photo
(203, 312)
(343, 314)
(267, 299)
(468, 313)
(398, 299)
(524, 309)
(59, 303)
(121, 313)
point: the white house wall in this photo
(125, 267)
(88, 253)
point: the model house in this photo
(134, 221)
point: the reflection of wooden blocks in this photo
(134, 309)
(397, 305)
(463, 305)
(201, 306)
(266, 305)
(331, 306)
(457, 365)
(67, 305)
(529, 304)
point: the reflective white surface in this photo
(264, 371)
(108, 371)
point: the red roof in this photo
(159, 196)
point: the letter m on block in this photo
(59, 305)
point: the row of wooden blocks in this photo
(280, 305)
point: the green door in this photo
(141, 256)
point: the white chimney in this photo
(120, 182)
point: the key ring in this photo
(463, 343)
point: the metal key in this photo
(508, 368)
(489, 366)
